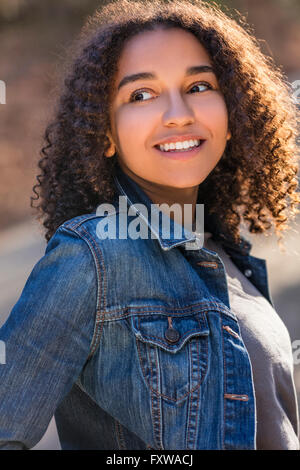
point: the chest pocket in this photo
(173, 352)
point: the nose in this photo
(178, 113)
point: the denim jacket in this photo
(129, 343)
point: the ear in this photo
(228, 135)
(112, 148)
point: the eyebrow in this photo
(151, 76)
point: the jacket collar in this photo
(135, 195)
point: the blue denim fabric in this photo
(130, 344)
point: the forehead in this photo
(161, 48)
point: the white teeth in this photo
(179, 145)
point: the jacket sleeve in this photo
(47, 339)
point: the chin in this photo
(182, 181)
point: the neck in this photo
(185, 198)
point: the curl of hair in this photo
(254, 182)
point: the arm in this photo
(47, 339)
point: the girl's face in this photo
(160, 94)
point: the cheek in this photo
(134, 127)
(214, 114)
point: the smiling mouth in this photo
(158, 147)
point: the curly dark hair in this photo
(254, 182)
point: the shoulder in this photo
(70, 245)
(97, 231)
(104, 229)
(86, 227)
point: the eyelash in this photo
(131, 99)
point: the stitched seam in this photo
(173, 399)
(198, 394)
(97, 335)
(152, 397)
(78, 221)
(98, 315)
(159, 416)
(98, 283)
(98, 329)
(191, 307)
(189, 423)
(197, 403)
(150, 386)
(96, 247)
(160, 341)
(171, 309)
(110, 318)
(142, 310)
(152, 408)
(206, 362)
(224, 401)
(191, 398)
(120, 436)
(161, 394)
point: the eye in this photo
(138, 93)
(201, 84)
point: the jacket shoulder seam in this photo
(101, 276)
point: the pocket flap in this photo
(169, 332)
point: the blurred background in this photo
(33, 38)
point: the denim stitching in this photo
(158, 409)
(171, 309)
(120, 436)
(152, 399)
(78, 221)
(147, 384)
(164, 344)
(129, 311)
(98, 327)
(197, 403)
(98, 314)
(97, 248)
(206, 362)
(161, 394)
(198, 394)
(191, 404)
(152, 408)
(224, 380)
(160, 341)
(98, 271)
(97, 335)
(192, 307)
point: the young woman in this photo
(144, 342)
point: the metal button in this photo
(172, 335)
(248, 272)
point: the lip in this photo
(179, 138)
(183, 155)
